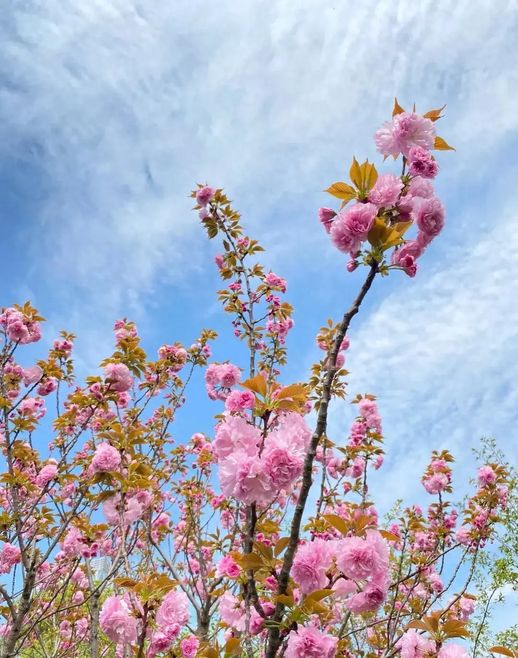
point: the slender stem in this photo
(274, 635)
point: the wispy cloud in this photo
(113, 109)
(120, 106)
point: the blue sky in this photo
(110, 111)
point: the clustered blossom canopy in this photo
(261, 540)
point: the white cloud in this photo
(440, 352)
(124, 104)
(121, 105)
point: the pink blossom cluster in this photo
(394, 199)
(119, 620)
(175, 355)
(253, 468)
(437, 477)
(10, 556)
(135, 506)
(18, 327)
(365, 561)
(106, 459)
(220, 378)
(310, 642)
(204, 195)
(406, 131)
(118, 377)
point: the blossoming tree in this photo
(261, 540)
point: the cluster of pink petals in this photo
(310, 642)
(453, 650)
(365, 560)
(280, 328)
(47, 473)
(134, 508)
(404, 132)
(486, 475)
(106, 458)
(437, 477)
(228, 567)
(118, 377)
(386, 191)
(251, 476)
(274, 281)
(176, 355)
(414, 645)
(310, 565)
(427, 212)
(18, 328)
(239, 401)
(220, 378)
(422, 163)
(9, 556)
(351, 226)
(204, 195)
(173, 612)
(117, 622)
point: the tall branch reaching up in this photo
(274, 635)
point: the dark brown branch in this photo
(274, 634)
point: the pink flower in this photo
(369, 600)
(238, 401)
(32, 375)
(422, 163)
(233, 434)
(410, 130)
(275, 281)
(386, 191)
(414, 645)
(342, 237)
(189, 646)
(106, 458)
(311, 562)
(116, 621)
(292, 432)
(385, 139)
(404, 260)
(429, 216)
(223, 375)
(420, 187)
(118, 377)
(204, 195)
(228, 567)
(281, 465)
(452, 650)
(359, 558)
(436, 482)
(160, 642)
(47, 473)
(9, 556)
(243, 477)
(47, 386)
(232, 611)
(173, 612)
(360, 218)
(73, 542)
(326, 217)
(486, 475)
(309, 642)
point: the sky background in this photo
(111, 111)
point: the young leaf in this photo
(397, 108)
(341, 191)
(442, 145)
